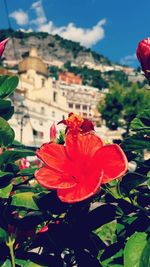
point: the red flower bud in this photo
(43, 229)
(143, 55)
(87, 126)
(1, 150)
(2, 46)
(24, 164)
(53, 132)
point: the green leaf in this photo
(6, 109)
(131, 181)
(8, 85)
(5, 192)
(27, 263)
(148, 181)
(134, 249)
(136, 142)
(28, 171)
(7, 263)
(3, 235)
(24, 200)
(13, 155)
(142, 121)
(5, 178)
(6, 133)
(3, 78)
(145, 258)
(32, 264)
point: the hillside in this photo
(50, 47)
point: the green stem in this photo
(12, 256)
(10, 244)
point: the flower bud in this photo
(143, 55)
(53, 132)
(87, 126)
(2, 46)
(24, 164)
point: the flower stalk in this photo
(10, 243)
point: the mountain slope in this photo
(50, 47)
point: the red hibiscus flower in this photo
(2, 46)
(143, 55)
(78, 168)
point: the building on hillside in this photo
(81, 99)
(43, 104)
(69, 78)
(41, 100)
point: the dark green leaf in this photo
(3, 78)
(3, 235)
(5, 178)
(136, 142)
(142, 121)
(8, 86)
(145, 257)
(100, 216)
(131, 181)
(6, 133)
(6, 110)
(28, 171)
(13, 155)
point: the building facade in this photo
(41, 100)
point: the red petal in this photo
(81, 191)
(83, 145)
(113, 162)
(52, 179)
(53, 155)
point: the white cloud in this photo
(41, 18)
(20, 16)
(128, 60)
(85, 36)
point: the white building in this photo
(45, 101)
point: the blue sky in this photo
(110, 27)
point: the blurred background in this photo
(74, 56)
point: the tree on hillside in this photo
(135, 100)
(112, 107)
(122, 104)
(119, 76)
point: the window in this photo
(84, 107)
(77, 106)
(70, 105)
(53, 113)
(55, 96)
(84, 115)
(43, 81)
(38, 134)
(42, 110)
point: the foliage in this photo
(111, 229)
(122, 104)
(89, 76)
(111, 109)
(118, 76)
(5, 33)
